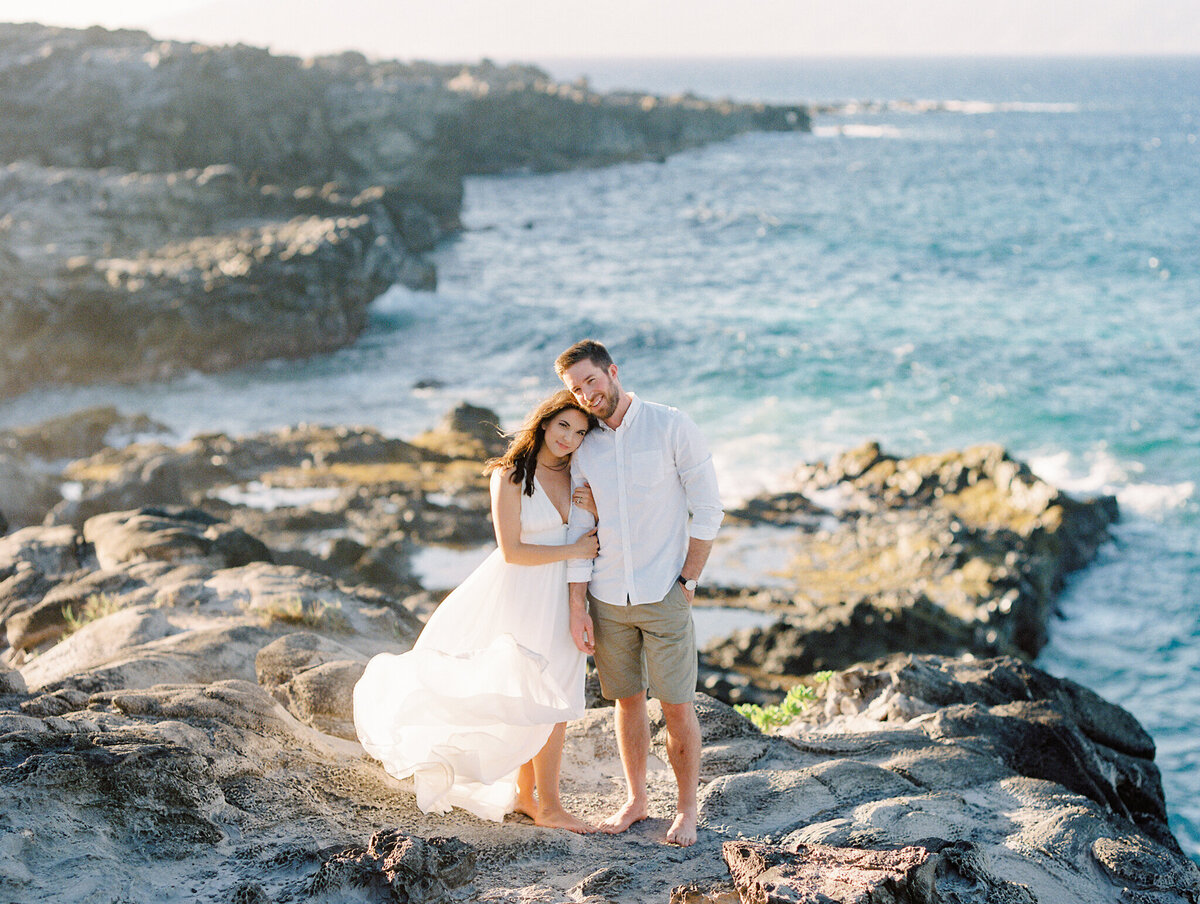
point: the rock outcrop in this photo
(213, 792)
(176, 719)
(171, 206)
(964, 551)
(945, 554)
(347, 502)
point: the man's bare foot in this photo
(683, 830)
(561, 819)
(633, 811)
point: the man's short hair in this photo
(586, 350)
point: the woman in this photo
(476, 711)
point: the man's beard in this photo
(608, 407)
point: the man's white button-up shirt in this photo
(646, 477)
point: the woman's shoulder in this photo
(502, 477)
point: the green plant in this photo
(293, 611)
(96, 606)
(778, 714)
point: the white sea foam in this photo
(401, 300)
(857, 130)
(836, 499)
(257, 495)
(750, 556)
(977, 107)
(1106, 474)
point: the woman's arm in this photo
(506, 519)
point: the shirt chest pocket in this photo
(649, 468)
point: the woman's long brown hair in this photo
(521, 454)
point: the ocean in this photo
(1003, 250)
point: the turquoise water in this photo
(1019, 265)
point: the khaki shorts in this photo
(651, 645)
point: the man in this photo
(648, 467)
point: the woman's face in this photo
(565, 431)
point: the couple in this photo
(476, 712)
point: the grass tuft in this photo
(95, 607)
(317, 614)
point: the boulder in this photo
(185, 657)
(49, 550)
(397, 867)
(27, 492)
(23, 588)
(283, 659)
(11, 682)
(323, 696)
(80, 433)
(99, 642)
(50, 609)
(773, 874)
(172, 535)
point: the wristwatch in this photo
(689, 586)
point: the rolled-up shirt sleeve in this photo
(579, 522)
(698, 476)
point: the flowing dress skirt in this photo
(490, 675)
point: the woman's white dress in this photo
(492, 672)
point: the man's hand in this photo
(582, 630)
(688, 595)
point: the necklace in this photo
(566, 464)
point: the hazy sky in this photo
(547, 29)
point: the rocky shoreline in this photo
(183, 624)
(171, 206)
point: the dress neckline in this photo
(565, 519)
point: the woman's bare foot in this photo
(683, 830)
(633, 811)
(526, 804)
(558, 818)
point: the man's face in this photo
(595, 389)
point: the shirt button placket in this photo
(623, 508)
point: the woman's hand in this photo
(586, 547)
(582, 498)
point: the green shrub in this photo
(778, 714)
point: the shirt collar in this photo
(635, 406)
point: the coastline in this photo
(218, 229)
(205, 653)
(1089, 592)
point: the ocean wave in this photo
(1108, 475)
(856, 130)
(976, 107)
(400, 299)
(965, 107)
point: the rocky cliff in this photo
(171, 206)
(181, 636)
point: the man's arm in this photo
(699, 479)
(582, 630)
(697, 555)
